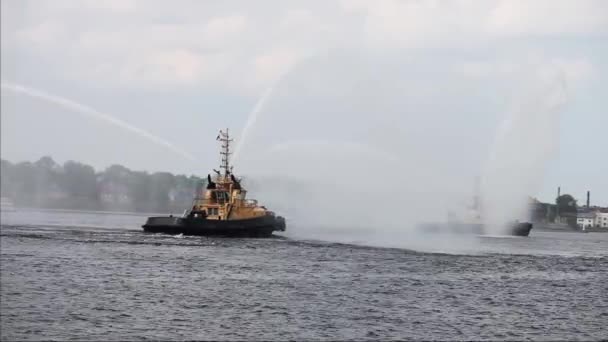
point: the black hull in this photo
(516, 229)
(255, 227)
(521, 229)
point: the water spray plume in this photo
(251, 121)
(92, 113)
(524, 144)
(370, 149)
(254, 115)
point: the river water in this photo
(93, 276)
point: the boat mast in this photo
(224, 137)
(477, 198)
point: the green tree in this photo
(161, 184)
(139, 190)
(6, 178)
(48, 175)
(46, 163)
(25, 184)
(79, 186)
(116, 174)
(566, 204)
(79, 180)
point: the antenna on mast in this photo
(224, 137)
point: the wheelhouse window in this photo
(222, 196)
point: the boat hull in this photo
(521, 229)
(262, 226)
(516, 229)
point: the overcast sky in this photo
(177, 71)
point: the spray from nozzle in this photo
(92, 113)
(525, 143)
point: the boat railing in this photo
(206, 201)
(219, 201)
(250, 203)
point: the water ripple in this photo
(61, 283)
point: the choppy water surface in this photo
(97, 276)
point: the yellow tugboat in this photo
(221, 209)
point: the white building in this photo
(601, 220)
(585, 220)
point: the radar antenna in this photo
(224, 137)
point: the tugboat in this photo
(474, 224)
(221, 209)
(521, 228)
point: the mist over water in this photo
(365, 149)
(525, 143)
(94, 114)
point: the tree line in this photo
(74, 185)
(565, 206)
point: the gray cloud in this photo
(183, 69)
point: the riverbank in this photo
(554, 227)
(100, 212)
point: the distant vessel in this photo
(473, 224)
(221, 209)
(476, 228)
(6, 204)
(514, 228)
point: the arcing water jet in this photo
(92, 113)
(251, 119)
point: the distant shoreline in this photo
(88, 211)
(543, 227)
(540, 227)
(548, 228)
